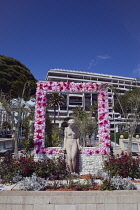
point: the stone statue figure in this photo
(71, 144)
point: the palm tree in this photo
(55, 100)
(128, 106)
(85, 122)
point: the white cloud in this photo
(98, 60)
(92, 63)
(136, 71)
(103, 57)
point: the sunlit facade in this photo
(123, 84)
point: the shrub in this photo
(26, 166)
(8, 169)
(107, 185)
(118, 136)
(33, 183)
(123, 184)
(124, 166)
(118, 183)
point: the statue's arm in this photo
(78, 141)
(78, 144)
(65, 139)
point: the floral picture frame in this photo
(44, 87)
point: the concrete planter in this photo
(81, 200)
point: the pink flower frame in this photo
(103, 113)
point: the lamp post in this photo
(114, 130)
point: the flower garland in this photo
(103, 116)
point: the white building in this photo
(3, 116)
(122, 84)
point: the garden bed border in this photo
(74, 200)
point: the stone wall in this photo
(74, 200)
(87, 163)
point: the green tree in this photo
(48, 131)
(13, 76)
(55, 100)
(128, 106)
(56, 137)
(27, 142)
(6, 125)
(16, 110)
(16, 85)
(85, 122)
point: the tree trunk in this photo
(16, 144)
(129, 149)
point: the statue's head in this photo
(71, 122)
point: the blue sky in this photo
(99, 36)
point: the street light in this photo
(114, 130)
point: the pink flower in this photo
(44, 87)
(96, 151)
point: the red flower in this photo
(123, 172)
(101, 117)
(107, 145)
(39, 131)
(25, 169)
(105, 122)
(38, 111)
(103, 105)
(39, 137)
(39, 99)
(100, 123)
(97, 152)
(49, 87)
(39, 123)
(41, 86)
(21, 158)
(37, 151)
(38, 143)
(90, 152)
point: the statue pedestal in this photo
(87, 164)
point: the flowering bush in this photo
(124, 166)
(8, 169)
(25, 167)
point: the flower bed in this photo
(31, 175)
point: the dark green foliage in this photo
(26, 166)
(48, 131)
(128, 102)
(7, 169)
(107, 185)
(124, 166)
(118, 136)
(27, 142)
(13, 76)
(6, 125)
(55, 100)
(56, 137)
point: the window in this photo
(135, 147)
(74, 100)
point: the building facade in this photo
(122, 84)
(3, 116)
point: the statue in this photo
(71, 144)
